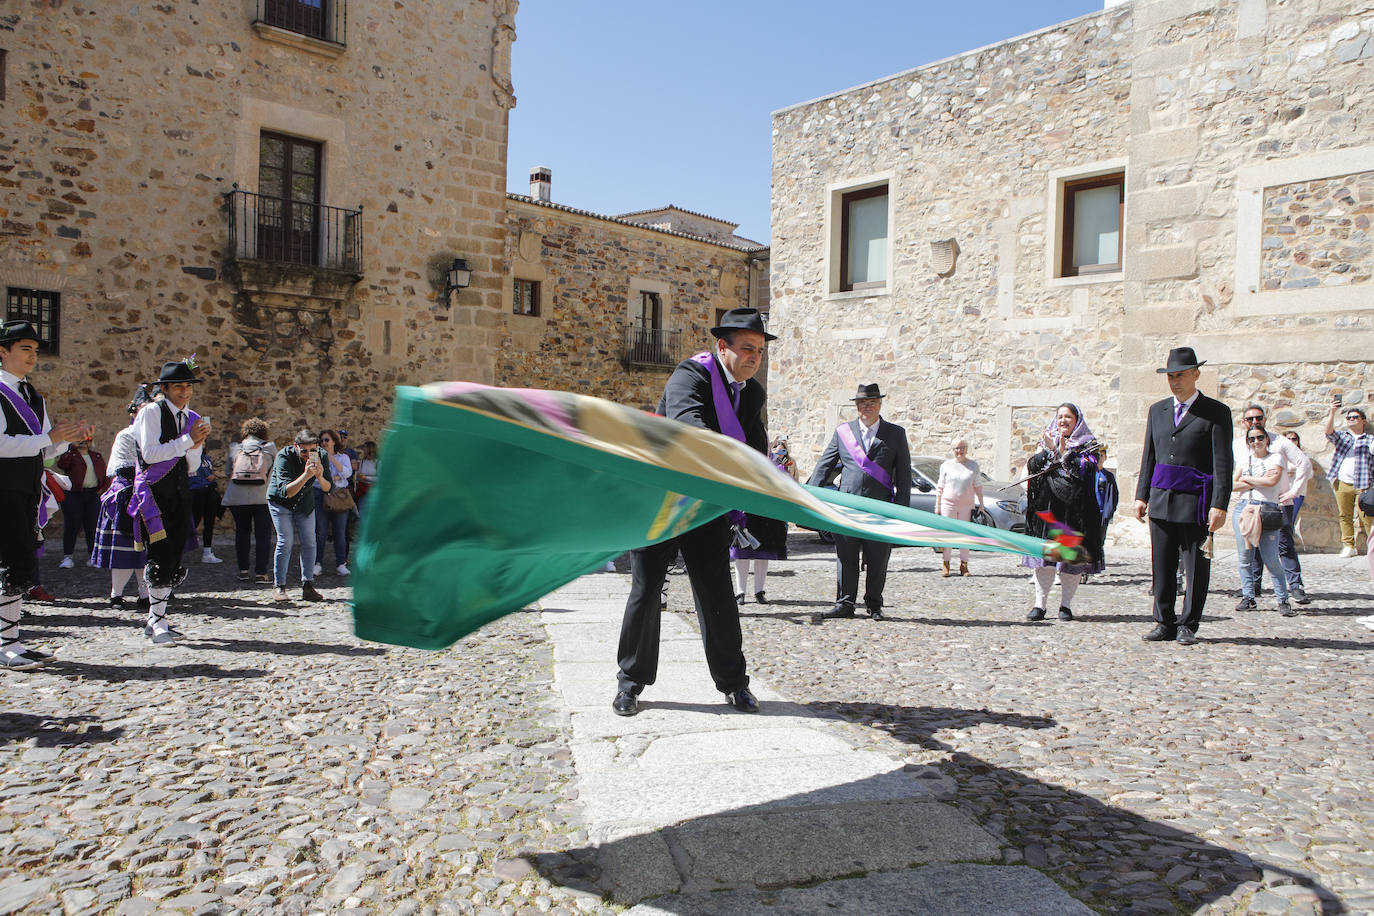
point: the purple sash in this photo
(866, 464)
(1182, 479)
(35, 426)
(725, 408)
(22, 408)
(142, 506)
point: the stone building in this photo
(275, 185)
(1040, 220)
(608, 305)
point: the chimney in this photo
(541, 183)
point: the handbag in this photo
(338, 499)
(1271, 516)
(1367, 501)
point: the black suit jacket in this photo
(1202, 441)
(687, 398)
(889, 451)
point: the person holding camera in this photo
(291, 501)
(1258, 516)
(1349, 472)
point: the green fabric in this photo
(487, 499)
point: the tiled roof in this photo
(737, 244)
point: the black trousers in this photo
(80, 509)
(246, 519)
(1288, 551)
(164, 556)
(18, 540)
(204, 513)
(706, 554)
(1175, 544)
(876, 555)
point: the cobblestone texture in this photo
(274, 764)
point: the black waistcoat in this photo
(177, 480)
(24, 475)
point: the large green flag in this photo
(489, 498)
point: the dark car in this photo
(1004, 501)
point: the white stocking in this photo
(11, 609)
(742, 574)
(1068, 584)
(142, 583)
(760, 573)
(118, 579)
(157, 608)
(1042, 579)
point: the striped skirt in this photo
(114, 534)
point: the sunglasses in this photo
(1353, 417)
(1253, 419)
(1256, 438)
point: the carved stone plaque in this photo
(943, 254)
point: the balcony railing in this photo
(650, 346)
(279, 231)
(326, 20)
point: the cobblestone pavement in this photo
(1236, 775)
(274, 764)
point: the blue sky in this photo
(641, 103)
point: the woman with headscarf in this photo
(1063, 484)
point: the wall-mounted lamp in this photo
(458, 277)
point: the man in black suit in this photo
(873, 460)
(1184, 487)
(699, 384)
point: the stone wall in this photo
(590, 270)
(126, 124)
(1316, 233)
(1211, 109)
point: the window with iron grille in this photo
(308, 17)
(41, 308)
(527, 297)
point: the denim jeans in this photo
(291, 525)
(1288, 548)
(1247, 557)
(337, 522)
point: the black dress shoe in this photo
(1185, 637)
(625, 703)
(1036, 613)
(1065, 613)
(1160, 633)
(760, 597)
(143, 604)
(117, 601)
(875, 613)
(838, 612)
(739, 599)
(742, 700)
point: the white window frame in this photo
(1054, 210)
(834, 234)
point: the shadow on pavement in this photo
(1293, 642)
(118, 674)
(54, 731)
(1114, 859)
(274, 647)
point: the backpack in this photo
(250, 466)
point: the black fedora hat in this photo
(868, 391)
(1181, 358)
(742, 320)
(17, 330)
(176, 372)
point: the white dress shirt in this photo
(27, 446)
(868, 433)
(148, 430)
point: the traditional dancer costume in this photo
(24, 444)
(116, 545)
(161, 499)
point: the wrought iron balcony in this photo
(326, 20)
(650, 346)
(273, 230)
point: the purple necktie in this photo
(1179, 410)
(734, 393)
